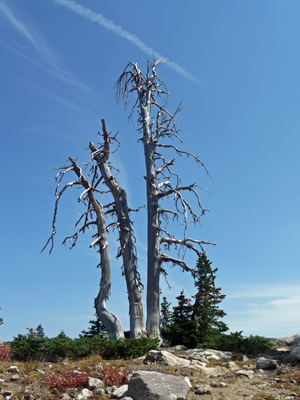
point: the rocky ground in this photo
(211, 374)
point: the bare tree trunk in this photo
(111, 322)
(153, 237)
(157, 124)
(136, 311)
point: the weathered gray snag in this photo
(127, 249)
(156, 124)
(111, 322)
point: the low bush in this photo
(5, 352)
(26, 347)
(239, 344)
(63, 380)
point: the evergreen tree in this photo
(182, 327)
(97, 327)
(40, 331)
(165, 314)
(1, 320)
(206, 312)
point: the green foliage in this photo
(40, 331)
(239, 344)
(27, 347)
(181, 328)
(97, 327)
(1, 320)
(165, 314)
(197, 324)
(206, 310)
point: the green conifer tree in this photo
(206, 312)
(182, 327)
(40, 331)
(165, 314)
(1, 320)
(96, 328)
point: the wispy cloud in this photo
(262, 291)
(120, 31)
(41, 47)
(42, 57)
(276, 318)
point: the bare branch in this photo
(167, 259)
(168, 164)
(74, 237)
(96, 241)
(185, 243)
(51, 238)
(137, 209)
(165, 274)
(186, 153)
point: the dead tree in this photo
(101, 171)
(93, 217)
(156, 124)
(127, 248)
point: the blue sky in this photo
(235, 66)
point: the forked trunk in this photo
(136, 310)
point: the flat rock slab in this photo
(210, 353)
(266, 363)
(165, 358)
(149, 385)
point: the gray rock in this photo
(120, 392)
(209, 354)
(85, 393)
(40, 371)
(94, 383)
(231, 365)
(127, 398)
(180, 347)
(148, 385)
(242, 372)
(187, 381)
(165, 358)
(15, 377)
(197, 362)
(266, 363)
(208, 371)
(203, 389)
(245, 358)
(219, 384)
(65, 396)
(13, 368)
(295, 351)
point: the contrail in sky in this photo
(118, 30)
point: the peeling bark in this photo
(156, 124)
(127, 251)
(111, 322)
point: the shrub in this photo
(239, 344)
(5, 352)
(65, 380)
(113, 376)
(68, 379)
(26, 347)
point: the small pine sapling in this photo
(96, 328)
(206, 311)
